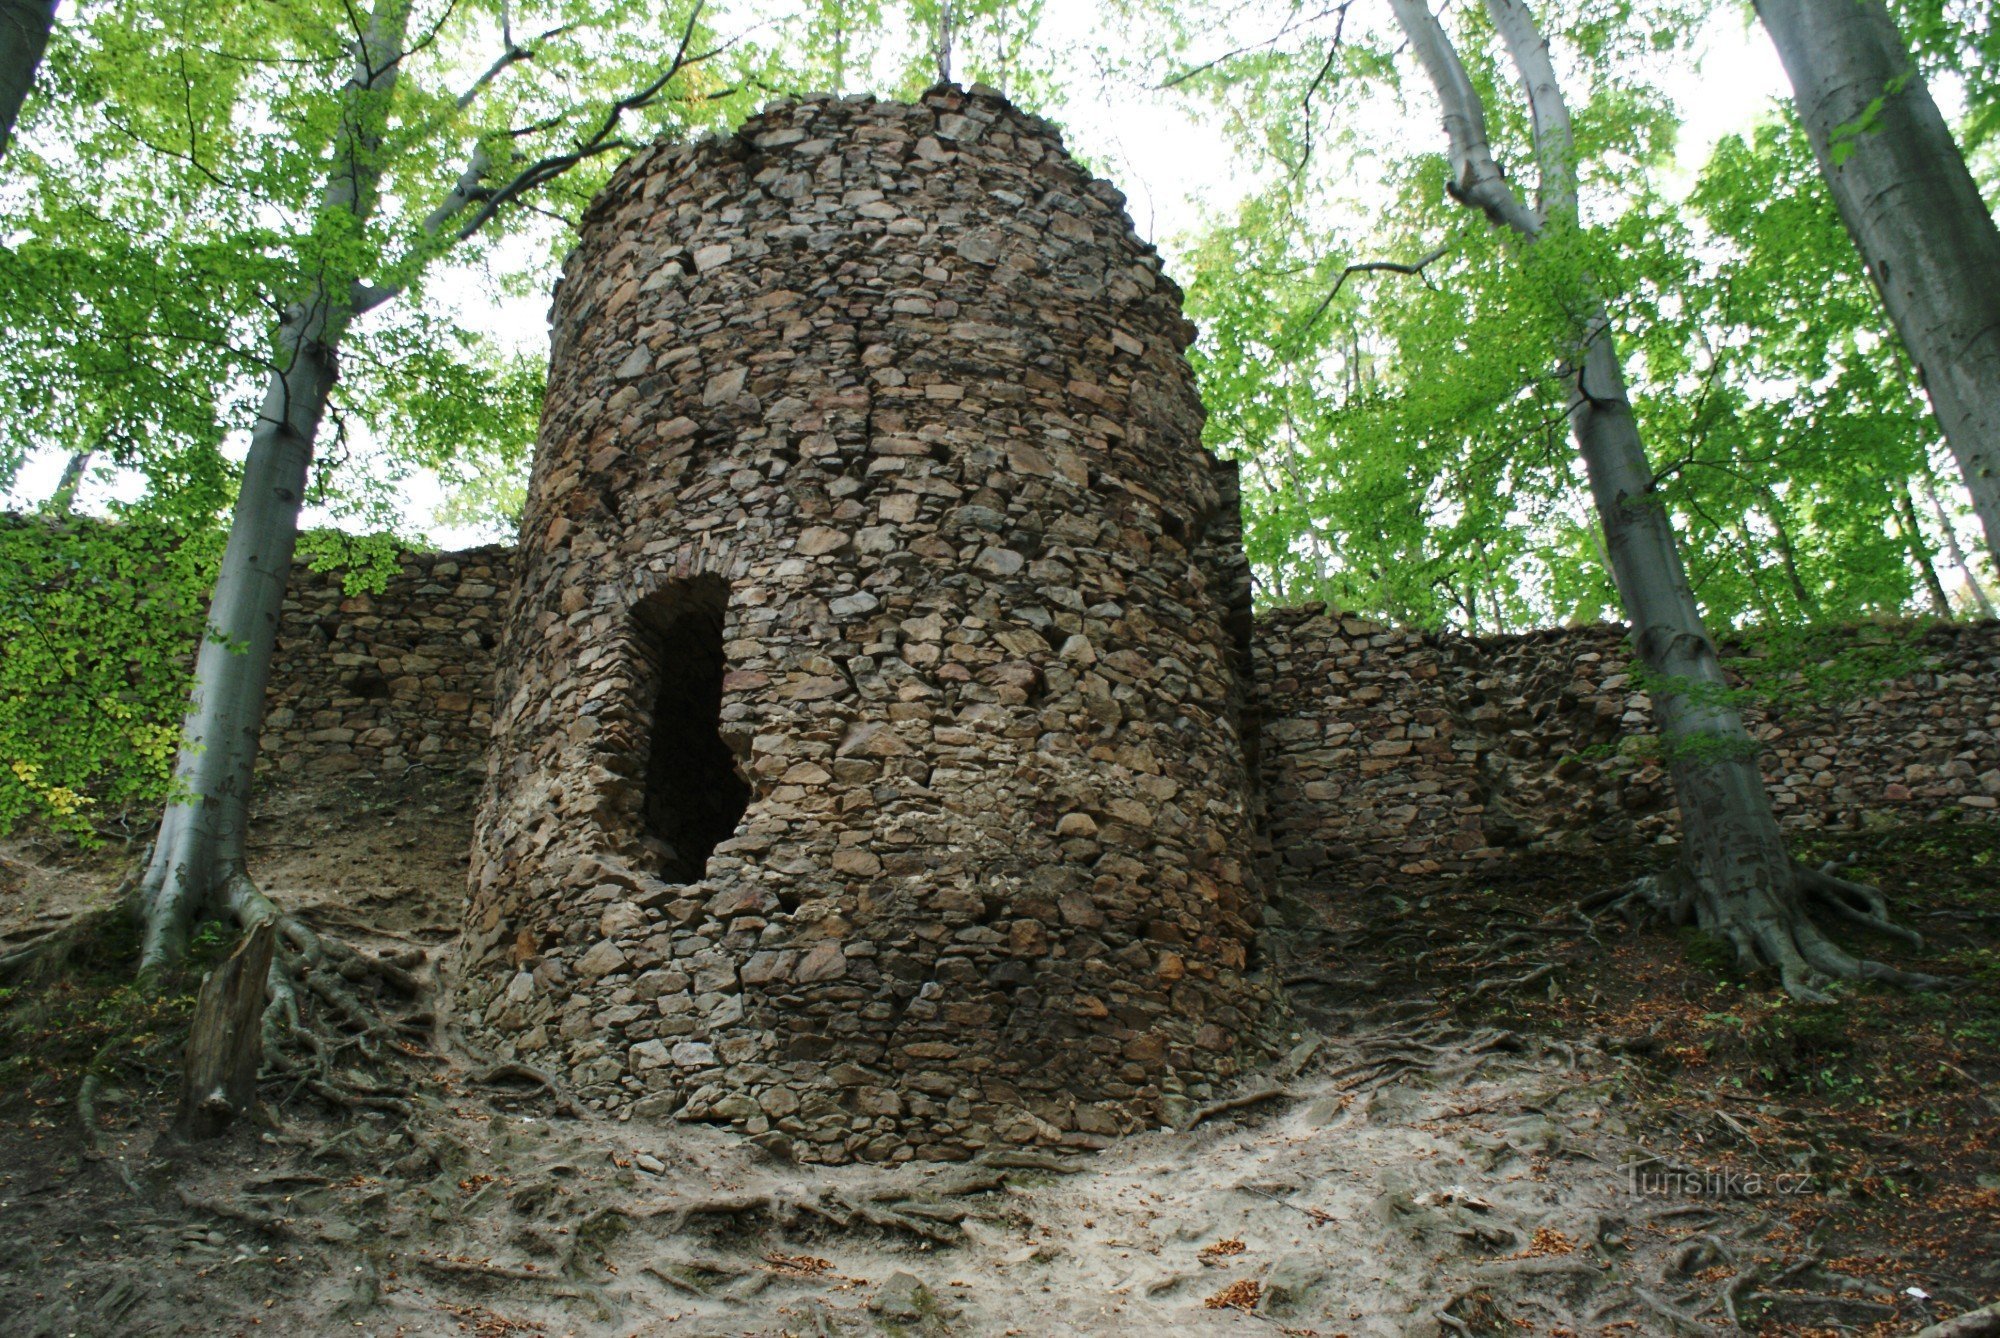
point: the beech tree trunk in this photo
(1737, 878)
(198, 866)
(198, 860)
(24, 36)
(1910, 203)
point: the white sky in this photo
(1169, 165)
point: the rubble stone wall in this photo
(1381, 755)
(1388, 753)
(871, 451)
(1383, 752)
(381, 682)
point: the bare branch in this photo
(511, 56)
(471, 204)
(1416, 267)
(1291, 26)
(1333, 49)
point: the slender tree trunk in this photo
(1738, 879)
(946, 22)
(1951, 547)
(1774, 511)
(200, 846)
(1913, 209)
(1920, 551)
(24, 36)
(1751, 569)
(198, 859)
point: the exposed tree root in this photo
(1499, 985)
(891, 1204)
(1981, 1323)
(1774, 926)
(1240, 1102)
(268, 1222)
(54, 950)
(329, 1007)
(1677, 1319)
(518, 1273)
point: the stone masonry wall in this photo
(1384, 752)
(872, 539)
(1383, 755)
(381, 682)
(1389, 754)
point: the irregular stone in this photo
(824, 962)
(903, 1298)
(693, 1054)
(603, 958)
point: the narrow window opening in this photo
(694, 795)
(369, 685)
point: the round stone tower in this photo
(868, 770)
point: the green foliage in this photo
(1805, 423)
(366, 561)
(1869, 122)
(1403, 436)
(1827, 664)
(900, 48)
(100, 622)
(1958, 40)
(1390, 382)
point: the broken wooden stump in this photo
(226, 1043)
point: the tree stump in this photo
(226, 1044)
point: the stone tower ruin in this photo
(868, 767)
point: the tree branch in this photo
(1291, 26)
(471, 204)
(1417, 267)
(1477, 178)
(512, 55)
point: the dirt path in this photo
(1408, 1171)
(1415, 1168)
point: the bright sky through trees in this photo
(1169, 157)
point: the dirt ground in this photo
(1499, 1118)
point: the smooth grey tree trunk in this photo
(1738, 879)
(198, 857)
(197, 865)
(24, 36)
(1903, 189)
